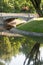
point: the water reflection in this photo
(2, 62)
(15, 60)
(11, 48)
(20, 58)
(41, 53)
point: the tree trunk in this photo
(36, 4)
(38, 10)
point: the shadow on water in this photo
(21, 51)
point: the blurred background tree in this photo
(16, 6)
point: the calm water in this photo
(19, 59)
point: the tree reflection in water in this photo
(34, 56)
(11, 46)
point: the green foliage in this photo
(15, 6)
